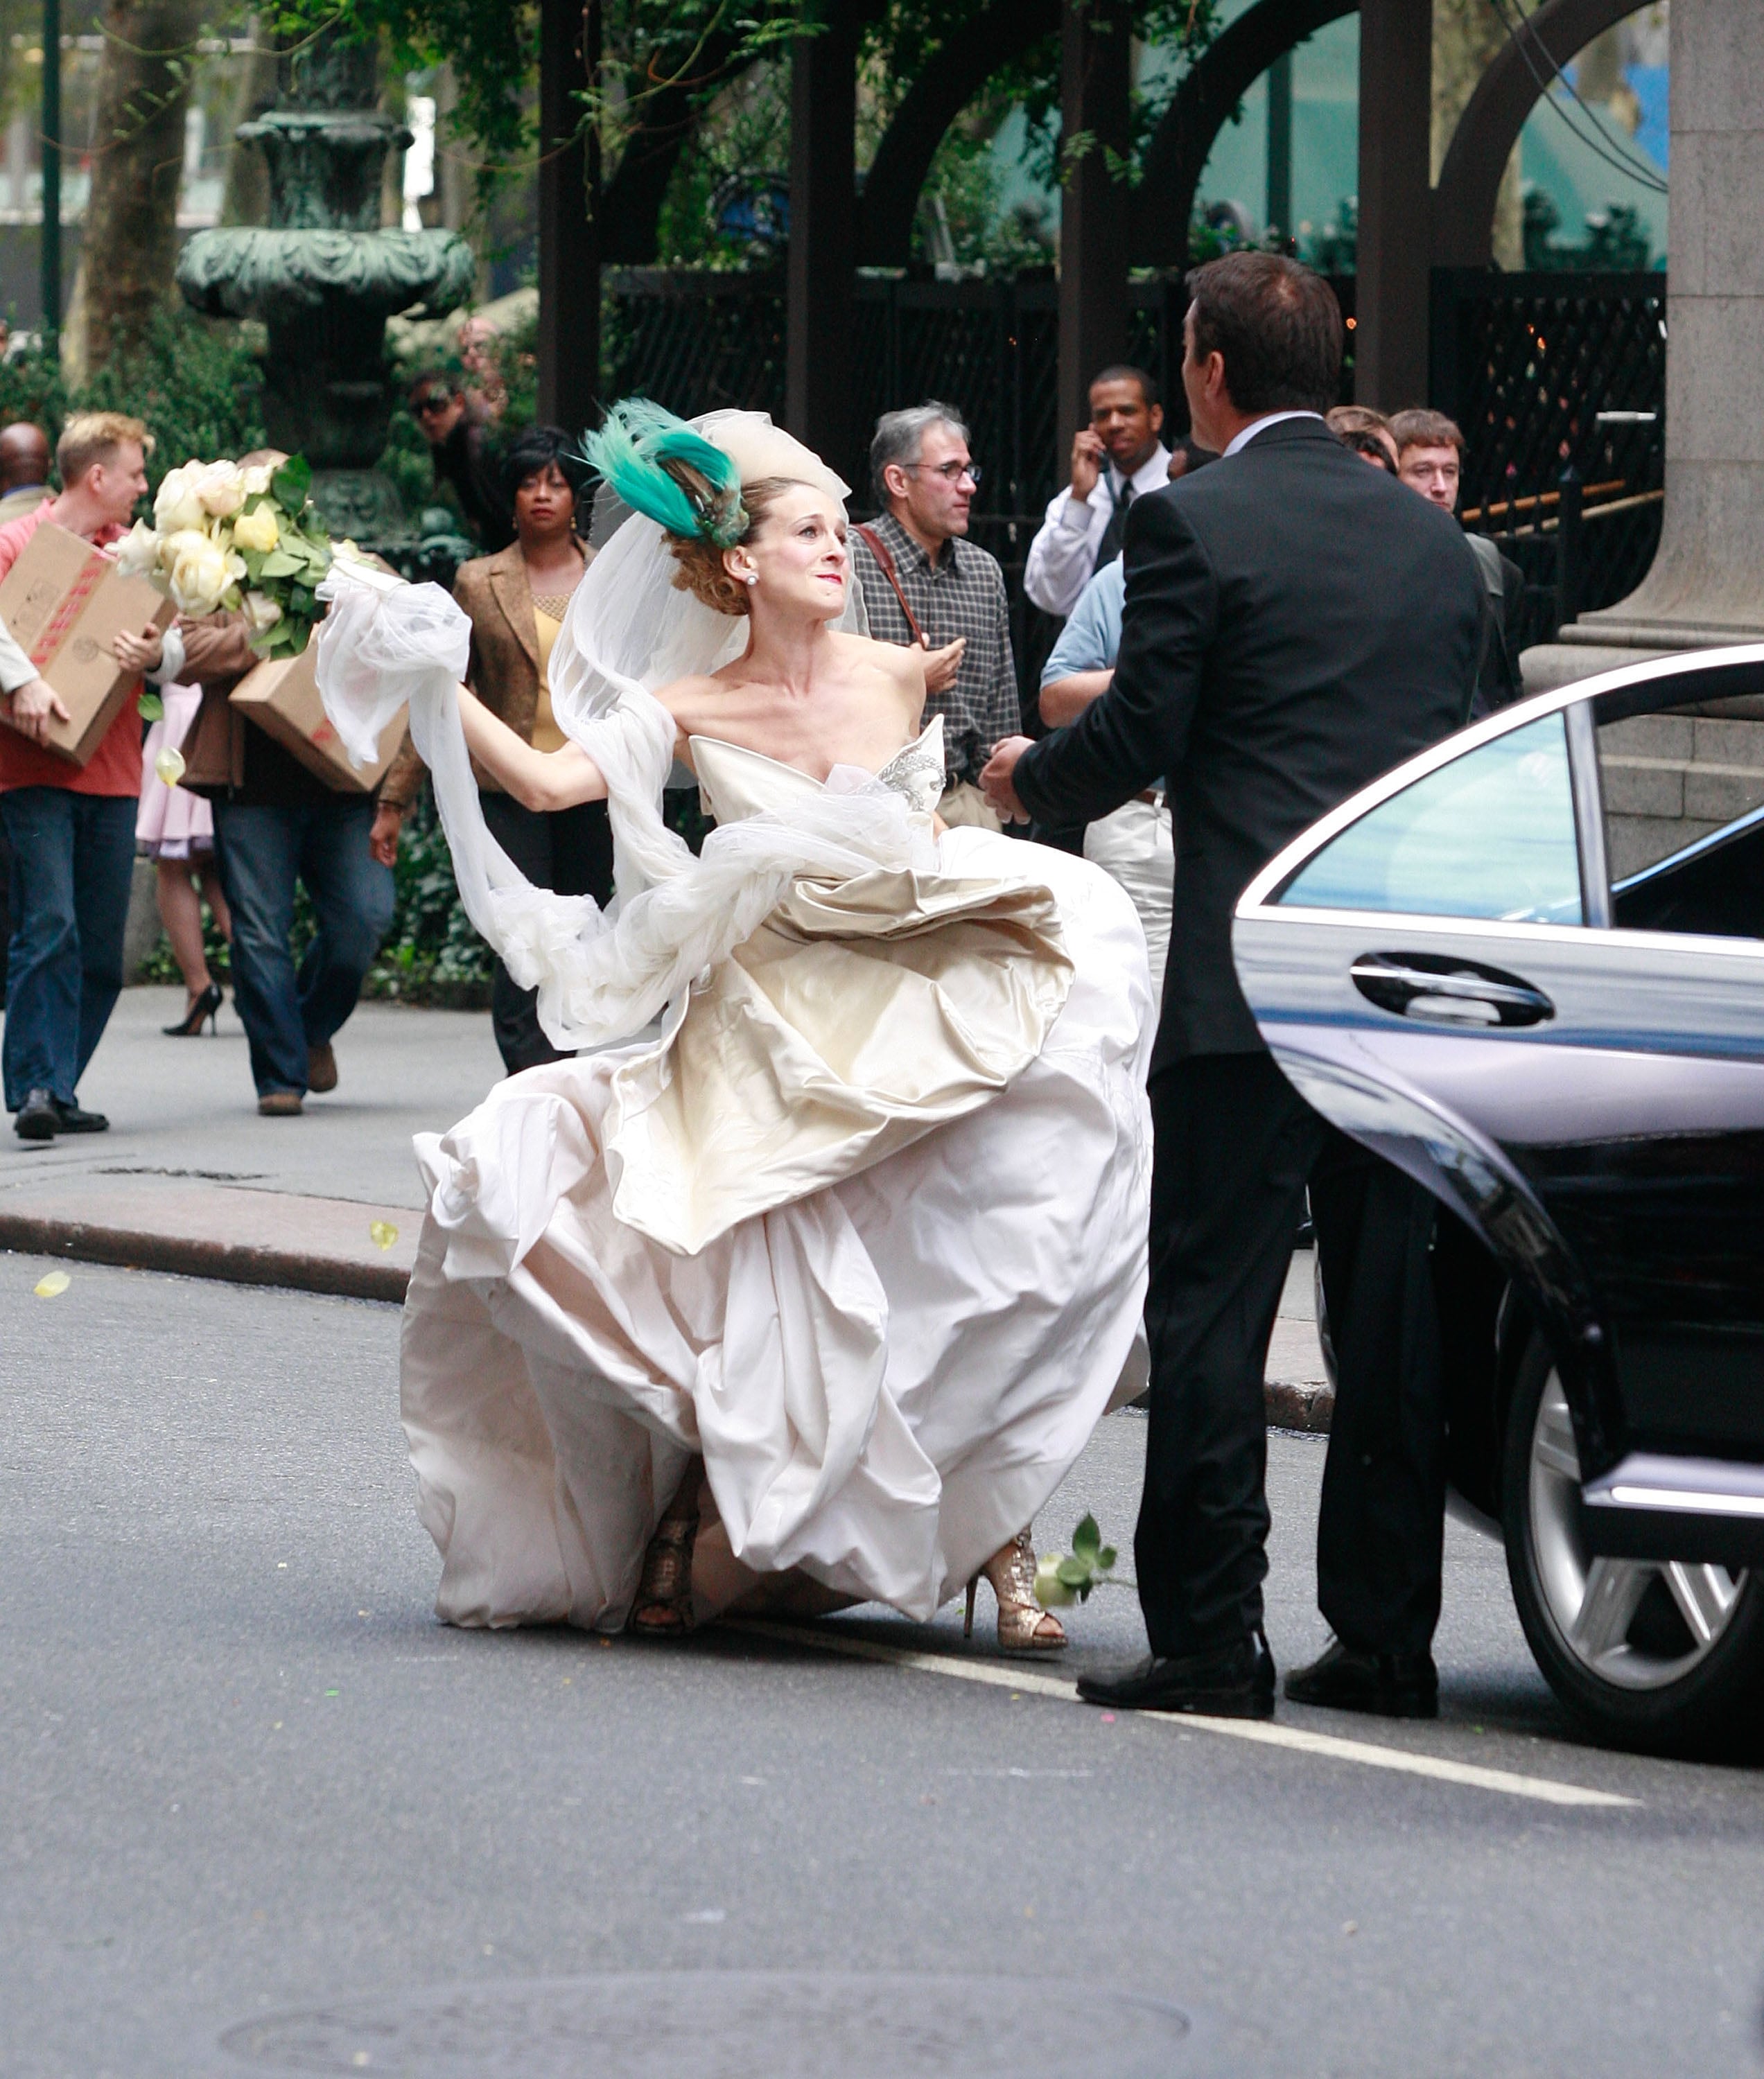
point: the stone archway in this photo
(1204, 103)
(1470, 175)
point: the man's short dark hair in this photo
(1124, 371)
(1419, 428)
(533, 450)
(434, 378)
(1278, 327)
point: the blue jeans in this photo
(262, 851)
(73, 861)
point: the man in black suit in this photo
(1295, 625)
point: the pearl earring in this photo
(750, 577)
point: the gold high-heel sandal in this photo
(664, 1606)
(1023, 1625)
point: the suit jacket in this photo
(1296, 624)
(504, 667)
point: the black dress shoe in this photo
(38, 1117)
(1234, 1682)
(1389, 1685)
(73, 1120)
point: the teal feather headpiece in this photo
(662, 468)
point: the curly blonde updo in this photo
(702, 572)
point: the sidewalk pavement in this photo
(190, 1179)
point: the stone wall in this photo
(1671, 778)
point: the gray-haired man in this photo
(923, 582)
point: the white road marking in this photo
(1366, 1753)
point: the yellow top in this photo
(546, 735)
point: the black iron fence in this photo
(1545, 373)
(1559, 381)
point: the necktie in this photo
(1115, 532)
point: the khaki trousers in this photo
(965, 807)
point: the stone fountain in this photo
(324, 277)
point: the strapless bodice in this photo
(734, 782)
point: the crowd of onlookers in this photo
(247, 823)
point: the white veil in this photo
(603, 977)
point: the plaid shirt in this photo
(963, 593)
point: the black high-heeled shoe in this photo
(201, 1012)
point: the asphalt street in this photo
(260, 1814)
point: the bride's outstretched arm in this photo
(540, 779)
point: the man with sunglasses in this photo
(461, 451)
(924, 582)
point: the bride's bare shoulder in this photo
(901, 665)
(685, 698)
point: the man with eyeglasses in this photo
(924, 582)
(460, 448)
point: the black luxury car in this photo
(1528, 966)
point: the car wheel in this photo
(1656, 1653)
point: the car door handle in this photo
(1430, 988)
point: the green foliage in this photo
(196, 382)
(1616, 240)
(432, 949)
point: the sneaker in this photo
(320, 1069)
(39, 1117)
(280, 1104)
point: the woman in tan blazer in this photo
(517, 601)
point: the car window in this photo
(1489, 834)
(1683, 791)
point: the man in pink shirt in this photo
(70, 828)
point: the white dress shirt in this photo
(1255, 426)
(1063, 557)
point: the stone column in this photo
(1705, 587)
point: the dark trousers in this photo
(263, 851)
(569, 850)
(1235, 1146)
(73, 862)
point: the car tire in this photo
(1661, 1656)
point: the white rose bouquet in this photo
(247, 539)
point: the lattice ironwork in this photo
(1526, 364)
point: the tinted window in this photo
(1683, 789)
(1491, 834)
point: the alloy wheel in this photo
(1636, 1623)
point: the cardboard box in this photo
(63, 600)
(282, 697)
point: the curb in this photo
(234, 1263)
(1308, 1409)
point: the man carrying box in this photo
(276, 823)
(71, 828)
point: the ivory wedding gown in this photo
(850, 1196)
(867, 1230)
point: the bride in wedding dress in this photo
(806, 1282)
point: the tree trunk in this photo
(130, 249)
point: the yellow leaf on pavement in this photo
(383, 1232)
(52, 1284)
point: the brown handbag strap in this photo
(884, 562)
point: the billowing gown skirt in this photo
(888, 1367)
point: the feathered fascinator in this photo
(662, 467)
